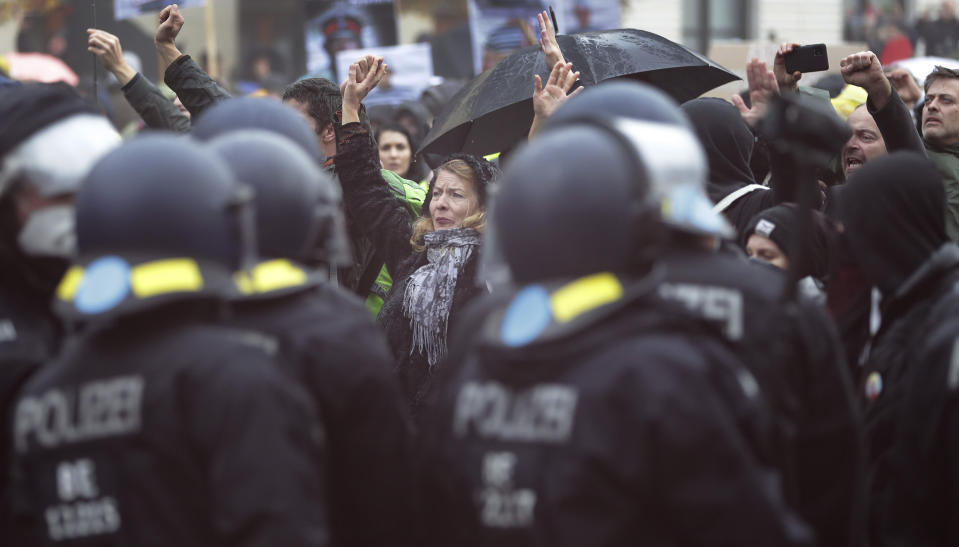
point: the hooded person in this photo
(729, 143)
(329, 342)
(898, 235)
(434, 262)
(49, 139)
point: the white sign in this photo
(410, 66)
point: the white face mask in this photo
(50, 232)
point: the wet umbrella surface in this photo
(494, 111)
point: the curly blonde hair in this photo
(424, 224)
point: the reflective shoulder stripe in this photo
(731, 198)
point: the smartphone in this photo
(812, 58)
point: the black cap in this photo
(28, 108)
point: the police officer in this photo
(49, 138)
(590, 412)
(792, 349)
(327, 339)
(152, 426)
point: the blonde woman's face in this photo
(454, 199)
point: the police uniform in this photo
(154, 432)
(610, 426)
(793, 351)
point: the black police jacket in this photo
(329, 344)
(612, 427)
(795, 355)
(29, 336)
(164, 431)
(910, 392)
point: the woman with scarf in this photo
(434, 262)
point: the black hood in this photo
(893, 211)
(728, 143)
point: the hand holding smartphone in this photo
(811, 58)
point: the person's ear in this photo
(328, 136)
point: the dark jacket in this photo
(897, 232)
(183, 434)
(29, 336)
(794, 353)
(912, 319)
(195, 88)
(617, 427)
(919, 506)
(329, 344)
(157, 111)
(385, 221)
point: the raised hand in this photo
(905, 85)
(763, 86)
(171, 21)
(364, 75)
(546, 99)
(107, 48)
(864, 70)
(786, 82)
(547, 40)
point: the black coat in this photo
(165, 431)
(329, 344)
(620, 431)
(385, 221)
(794, 352)
(29, 336)
(908, 405)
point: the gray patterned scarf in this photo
(429, 293)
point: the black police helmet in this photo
(623, 99)
(555, 229)
(297, 204)
(160, 196)
(252, 113)
(598, 196)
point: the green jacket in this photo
(412, 196)
(947, 162)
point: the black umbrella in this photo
(494, 111)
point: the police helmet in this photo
(640, 102)
(251, 113)
(297, 204)
(595, 195)
(156, 219)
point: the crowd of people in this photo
(268, 322)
